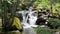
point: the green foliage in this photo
(1, 10)
(47, 4)
(56, 9)
(54, 22)
(42, 3)
(43, 31)
(26, 3)
(10, 1)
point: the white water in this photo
(27, 29)
(32, 19)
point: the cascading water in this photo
(27, 29)
(32, 17)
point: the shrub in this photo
(43, 31)
(54, 23)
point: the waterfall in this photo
(27, 29)
(32, 17)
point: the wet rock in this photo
(57, 33)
